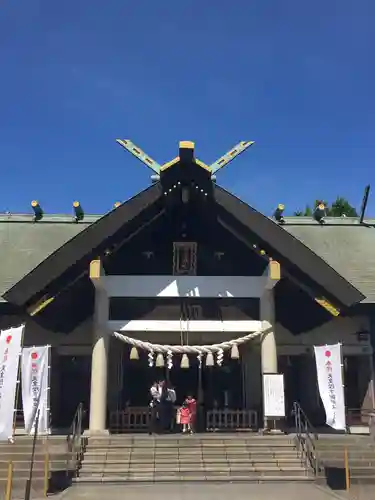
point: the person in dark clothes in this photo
(155, 406)
(169, 407)
(164, 407)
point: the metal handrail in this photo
(306, 439)
(76, 443)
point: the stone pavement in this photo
(206, 491)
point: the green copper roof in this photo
(344, 244)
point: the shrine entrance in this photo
(218, 390)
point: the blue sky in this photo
(297, 77)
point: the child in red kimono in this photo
(185, 418)
(188, 413)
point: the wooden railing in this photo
(358, 416)
(222, 420)
(136, 419)
(132, 419)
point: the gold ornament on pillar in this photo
(234, 352)
(134, 353)
(210, 359)
(159, 360)
(185, 361)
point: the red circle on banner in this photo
(8, 339)
(34, 355)
(328, 354)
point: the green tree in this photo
(338, 208)
(342, 207)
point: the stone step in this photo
(19, 485)
(145, 467)
(222, 438)
(194, 470)
(170, 452)
(24, 474)
(182, 478)
(39, 457)
(116, 460)
(328, 445)
(362, 471)
(25, 464)
(171, 445)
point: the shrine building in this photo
(183, 263)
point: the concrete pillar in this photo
(100, 350)
(268, 341)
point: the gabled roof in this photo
(32, 256)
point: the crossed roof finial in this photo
(184, 145)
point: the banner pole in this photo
(343, 382)
(32, 458)
(17, 387)
(49, 388)
(46, 473)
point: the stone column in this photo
(100, 349)
(268, 340)
(267, 313)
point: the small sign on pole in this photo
(273, 395)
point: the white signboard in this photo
(330, 382)
(273, 395)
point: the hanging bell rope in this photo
(193, 349)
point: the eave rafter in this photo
(308, 265)
(78, 252)
(334, 310)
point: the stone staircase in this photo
(205, 457)
(19, 454)
(361, 457)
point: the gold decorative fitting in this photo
(327, 306)
(186, 145)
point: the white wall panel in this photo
(185, 286)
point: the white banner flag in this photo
(10, 349)
(34, 372)
(330, 383)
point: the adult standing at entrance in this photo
(169, 410)
(155, 404)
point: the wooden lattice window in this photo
(184, 258)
